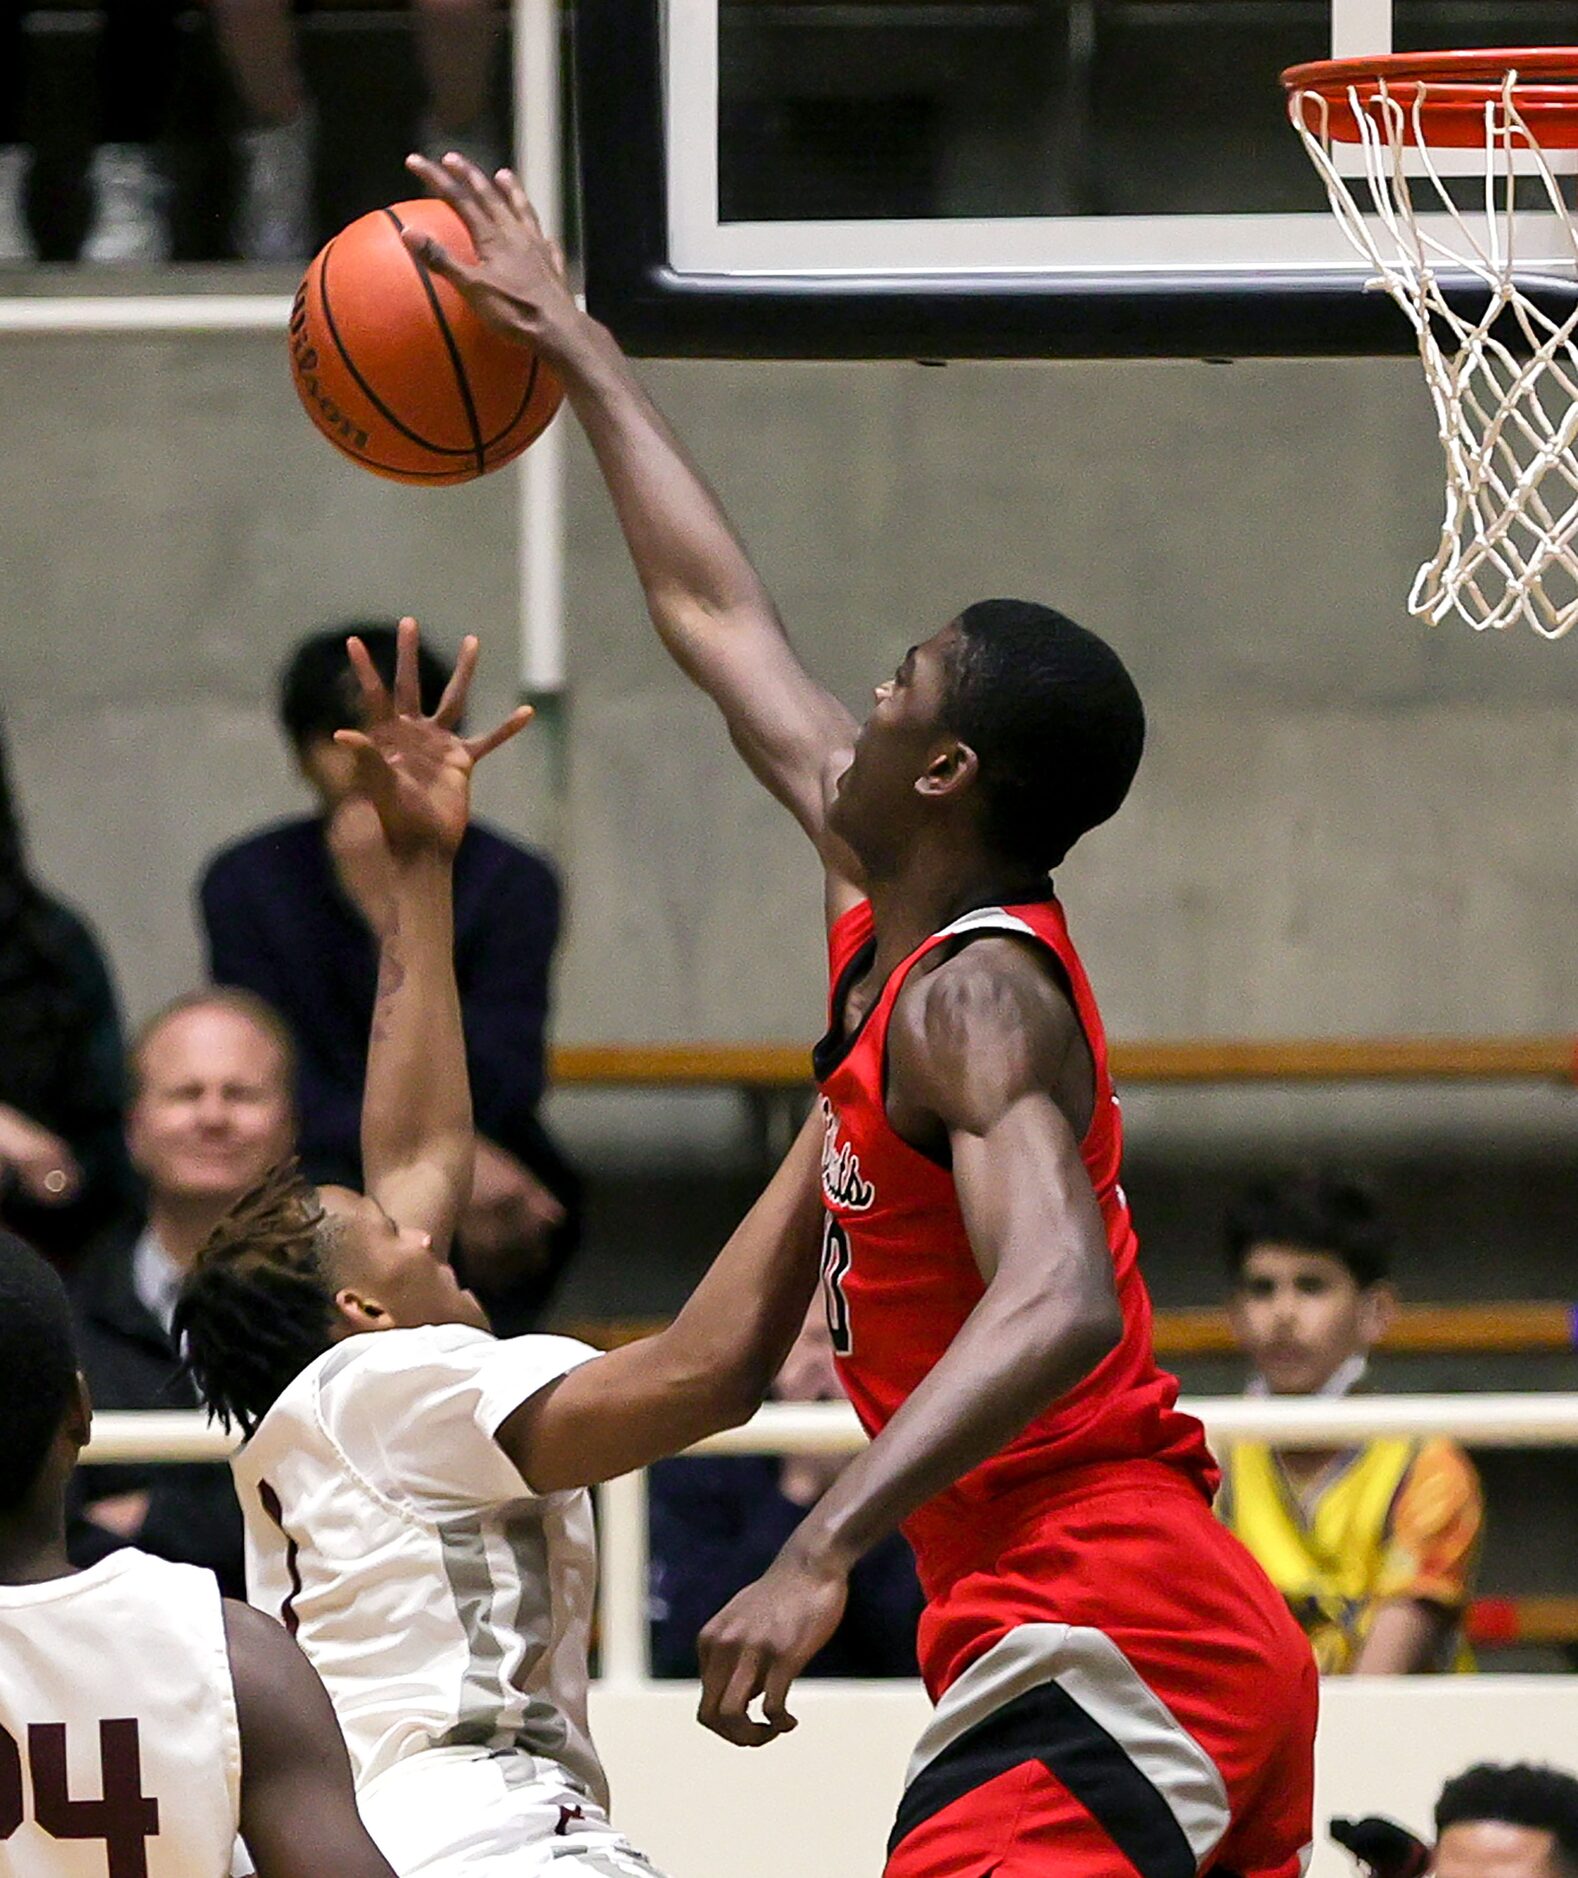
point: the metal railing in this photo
(1477, 1421)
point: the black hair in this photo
(1543, 1798)
(1054, 719)
(38, 1366)
(43, 1019)
(258, 1304)
(318, 692)
(1317, 1211)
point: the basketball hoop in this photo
(1490, 290)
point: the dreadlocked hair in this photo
(258, 1304)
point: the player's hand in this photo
(760, 1641)
(517, 284)
(416, 770)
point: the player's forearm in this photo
(737, 1326)
(1015, 1355)
(696, 574)
(417, 1102)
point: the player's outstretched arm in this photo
(706, 599)
(709, 1369)
(417, 1139)
(977, 1047)
(298, 1804)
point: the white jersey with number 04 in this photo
(444, 1604)
(119, 1748)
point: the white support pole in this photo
(622, 1580)
(541, 475)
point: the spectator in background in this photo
(210, 1114)
(63, 1172)
(1491, 1822)
(287, 915)
(455, 39)
(719, 1522)
(136, 56)
(1373, 1547)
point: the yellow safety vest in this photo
(1332, 1557)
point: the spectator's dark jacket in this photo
(279, 924)
(79, 1099)
(717, 1524)
(129, 1362)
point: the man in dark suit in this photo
(210, 1113)
(287, 914)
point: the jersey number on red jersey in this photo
(835, 1268)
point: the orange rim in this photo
(1444, 92)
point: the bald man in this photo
(210, 1111)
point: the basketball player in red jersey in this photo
(1118, 1687)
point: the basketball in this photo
(397, 371)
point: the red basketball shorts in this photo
(1121, 1691)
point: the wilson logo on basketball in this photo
(304, 360)
(843, 1185)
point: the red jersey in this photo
(901, 1278)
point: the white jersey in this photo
(444, 1604)
(119, 1746)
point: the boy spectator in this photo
(289, 914)
(718, 1523)
(210, 1114)
(1373, 1547)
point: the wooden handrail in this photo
(1514, 1329)
(1204, 1060)
(1523, 1620)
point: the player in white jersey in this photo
(144, 1720)
(414, 1488)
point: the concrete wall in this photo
(1346, 823)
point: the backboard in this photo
(980, 178)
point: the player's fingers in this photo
(561, 267)
(437, 259)
(476, 187)
(375, 698)
(407, 688)
(479, 747)
(720, 1664)
(514, 193)
(775, 1697)
(734, 1717)
(453, 702)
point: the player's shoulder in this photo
(417, 1360)
(1004, 984)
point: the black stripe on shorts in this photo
(1046, 1724)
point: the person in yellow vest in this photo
(1374, 1547)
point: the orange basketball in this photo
(397, 371)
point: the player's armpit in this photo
(709, 1369)
(298, 1804)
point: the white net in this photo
(1502, 371)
